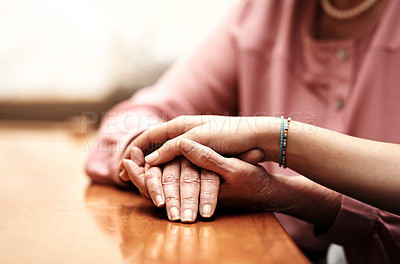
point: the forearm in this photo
(364, 169)
(308, 200)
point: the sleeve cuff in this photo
(353, 223)
(112, 140)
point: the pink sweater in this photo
(263, 60)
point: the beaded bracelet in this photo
(281, 144)
(284, 134)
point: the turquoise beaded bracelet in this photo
(284, 134)
(281, 144)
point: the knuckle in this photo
(191, 178)
(169, 179)
(207, 195)
(136, 173)
(149, 175)
(171, 199)
(210, 183)
(166, 145)
(171, 144)
(204, 156)
(209, 178)
(189, 200)
(152, 175)
(153, 188)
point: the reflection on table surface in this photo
(145, 234)
(50, 213)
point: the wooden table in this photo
(50, 213)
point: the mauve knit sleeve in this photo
(368, 235)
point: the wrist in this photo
(309, 201)
(267, 136)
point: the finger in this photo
(206, 158)
(123, 175)
(170, 184)
(253, 156)
(136, 155)
(153, 183)
(171, 148)
(189, 190)
(127, 151)
(136, 175)
(221, 135)
(125, 155)
(165, 153)
(121, 164)
(168, 130)
(209, 186)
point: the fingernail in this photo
(152, 157)
(174, 214)
(206, 212)
(159, 200)
(187, 216)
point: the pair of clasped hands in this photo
(202, 159)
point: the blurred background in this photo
(58, 60)
(61, 58)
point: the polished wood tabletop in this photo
(51, 213)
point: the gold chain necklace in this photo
(341, 14)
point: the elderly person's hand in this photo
(178, 184)
(243, 184)
(175, 184)
(250, 186)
